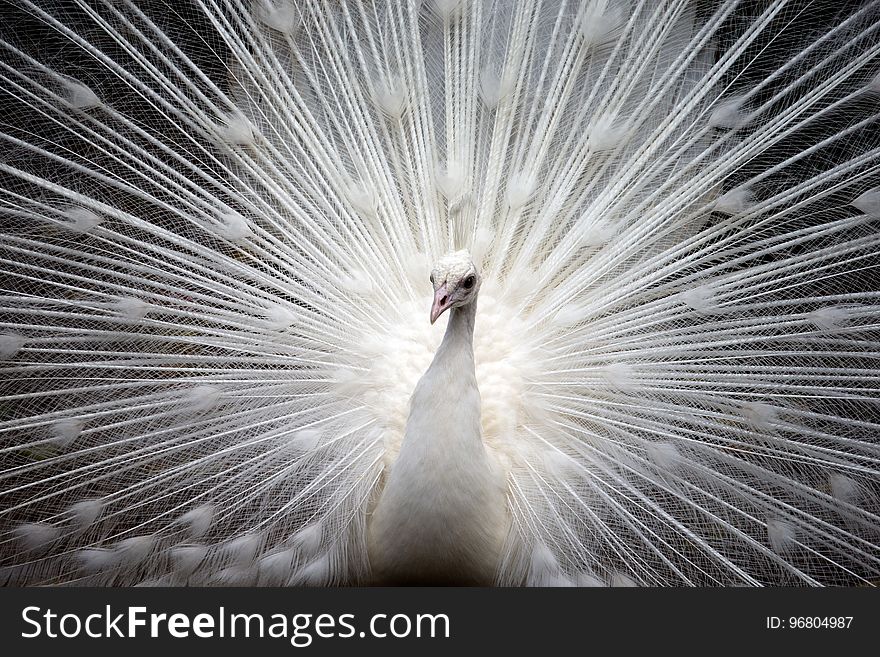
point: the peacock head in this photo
(456, 282)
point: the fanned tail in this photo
(217, 224)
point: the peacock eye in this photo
(469, 282)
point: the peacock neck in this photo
(459, 336)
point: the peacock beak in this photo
(442, 301)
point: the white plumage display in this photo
(545, 292)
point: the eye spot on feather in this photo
(618, 376)
(131, 309)
(236, 130)
(844, 488)
(315, 573)
(736, 201)
(832, 318)
(602, 22)
(202, 399)
(494, 87)
(446, 9)
(308, 540)
(622, 580)
(306, 440)
(241, 551)
(80, 220)
(276, 568)
(277, 317)
(728, 114)
(569, 315)
(391, 96)
(700, 298)
(280, 15)
(357, 283)
(186, 559)
(36, 535)
(66, 431)
(134, 551)
(85, 513)
(781, 535)
(10, 345)
(233, 226)
(362, 197)
(664, 455)
(197, 521)
(79, 94)
(520, 190)
(868, 202)
(760, 415)
(95, 560)
(598, 234)
(607, 132)
(450, 179)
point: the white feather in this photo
(735, 201)
(67, 430)
(781, 535)
(869, 202)
(135, 550)
(622, 580)
(203, 398)
(242, 550)
(80, 219)
(10, 344)
(79, 95)
(728, 114)
(316, 573)
(216, 249)
(281, 15)
(234, 227)
(308, 540)
(36, 534)
(85, 512)
(198, 521)
(187, 558)
(96, 560)
(275, 568)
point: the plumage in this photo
(222, 220)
